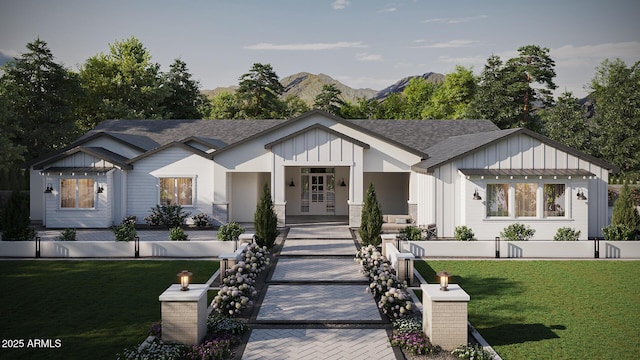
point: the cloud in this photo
(307, 46)
(340, 4)
(449, 44)
(365, 81)
(368, 57)
(592, 55)
(456, 20)
(388, 10)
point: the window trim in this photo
(77, 194)
(540, 199)
(175, 177)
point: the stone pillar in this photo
(444, 315)
(355, 214)
(184, 314)
(221, 213)
(281, 210)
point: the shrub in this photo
(463, 233)
(130, 219)
(625, 212)
(216, 348)
(566, 234)
(15, 218)
(124, 232)
(618, 232)
(177, 234)
(67, 235)
(265, 220)
(168, 215)
(371, 219)
(218, 324)
(518, 232)
(156, 350)
(412, 233)
(415, 342)
(471, 352)
(201, 220)
(230, 231)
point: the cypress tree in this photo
(371, 219)
(265, 220)
(625, 212)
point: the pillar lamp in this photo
(185, 278)
(444, 280)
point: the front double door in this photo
(317, 195)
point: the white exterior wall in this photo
(454, 192)
(143, 181)
(392, 191)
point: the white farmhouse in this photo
(443, 172)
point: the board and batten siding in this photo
(453, 192)
(143, 181)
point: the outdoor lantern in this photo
(292, 184)
(581, 196)
(185, 277)
(342, 183)
(49, 189)
(100, 189)
(476, 196)
(444, 280)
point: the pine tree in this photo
(265, 220)
(371, 220)
(625, 212)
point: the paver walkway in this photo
(316, 305)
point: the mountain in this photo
(307, 86)
(399, 86)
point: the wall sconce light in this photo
(49, 189)
(100, 189)
(185, 278)
(342, 184)
(476, 196)
(444, 280)
(292, 184)
(581, 195)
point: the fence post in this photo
(37, 246)
(497, 244)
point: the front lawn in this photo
(551, 309)
(95, 308)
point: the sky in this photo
(361, 43)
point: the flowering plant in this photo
(156, 349)
(216, 348)
(218, 324)
(237, 289)
(201, 219)
(471, 352)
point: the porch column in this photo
(413, 196)
(220, 209)
(356, 188)
(278, 188)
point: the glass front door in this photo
(317, 196)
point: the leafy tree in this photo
(506, 91)
(566, 122)
(371, 219)
(451, 100)
(625, 212)
(362, 109)
(11, 153)
(329, 99)
(184, 100)
(493, 100)
(123, 84)
(532, 66)
(616, 93)
(416, 96)
(15, 218)
(294, 106)
(393, 107)
(265, 220)
(38, 107)
(225, 105)
(259, 92)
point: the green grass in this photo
(96, 308)
(551, 309)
